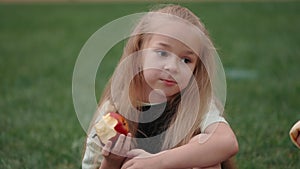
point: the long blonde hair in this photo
(187, 119)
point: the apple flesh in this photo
(110, 126)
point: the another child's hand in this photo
(115, 155)
(295, 134)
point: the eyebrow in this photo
(164, 45)
(187, 52)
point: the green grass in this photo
(39, 45)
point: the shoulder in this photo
(106, 106)
(214, 115)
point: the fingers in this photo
(295, 130)
(127, 164)
(121, 147)
(119, 144)
(127, 143)
(298, 140)
(295, 134)
(106, 148)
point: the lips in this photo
(169, 82)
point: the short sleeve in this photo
(212, 116)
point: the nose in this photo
(171, 64)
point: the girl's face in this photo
(168, 66)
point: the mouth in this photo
(169, 82)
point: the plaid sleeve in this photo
(92, 157)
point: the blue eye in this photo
(162, 53)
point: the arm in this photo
(92, 155)
(220, 144)
(217, 144)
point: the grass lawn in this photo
(39, 43)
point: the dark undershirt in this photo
(154, 120)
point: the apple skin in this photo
(122, 125)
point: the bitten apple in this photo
(111, 124)
(122, 125)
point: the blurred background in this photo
(258, 43)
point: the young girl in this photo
(163, 86)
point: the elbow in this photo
(225, 139)
(235, 148)
(230, 142)
(232, 146)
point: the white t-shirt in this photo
(214, 115)
(93, 157)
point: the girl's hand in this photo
(115, 155)
(138, 153)
(142, 160)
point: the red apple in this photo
(111, 126)
(122, 125)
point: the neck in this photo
(155, 97)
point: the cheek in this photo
(152, 65)
(149, 75)
(184, 83)
(186, 76)
(147, 60)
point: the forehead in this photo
(168, 43)
(184, 32)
